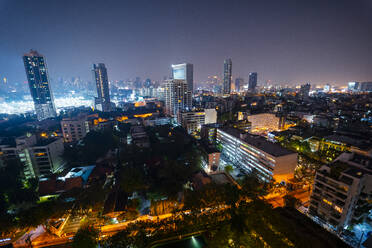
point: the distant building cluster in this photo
(360, 86)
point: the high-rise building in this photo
(227, 76)
(252, 83)
(184, 72)
(305, 90)
(353, 86)
(177, 97)
(102, 101)
(366, 86)
(238, 84)
(38, 81)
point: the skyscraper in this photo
(38, 81)
(184, 72)
(227, 76)
(252, 83)
(102, 101)
(304, 91)
(177, 97)
(238, 83)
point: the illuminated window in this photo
(338, 209)
(326, 201)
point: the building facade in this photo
(210, 116)
(38, 82)
(192, 121)
(238, 84)
(252, 82)
(341, 193)
(254, 153)
(177, 97)
(227, 76)
(102, 101)
(304, 91)
(21, 153)
(266, 122)
(211, 158)
(74, 129)
(39, 158)
(47, 156)
(184, 72)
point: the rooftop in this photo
(46, 141)
(259, 142)
(33, 53)
(353, 141)
(82, 172)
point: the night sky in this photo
(283, 40)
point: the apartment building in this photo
(342, 190)
(254, 153)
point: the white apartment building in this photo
(254, 153)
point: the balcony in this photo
(340, 195)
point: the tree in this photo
(229, 169)
(86, 237)
(132, 178)
(94, 145)
(252, 187)
(291, 201)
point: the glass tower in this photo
(227, 76)
(252, 83)
(102, 100)
(38, 81)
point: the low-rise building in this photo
(20, 152)
(211, 157)
(266, 122)
(192, 121)
(38, 157)
(254, 153)
(209, 132)
(157, 121)
(46, 156)
(342, 190)
(139, 136)
(74, 129)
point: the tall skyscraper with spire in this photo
(38, 81)
(102, 101)
(227, 76)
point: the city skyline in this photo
(318, 42)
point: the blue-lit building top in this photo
(184, 72)
(38, 81)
